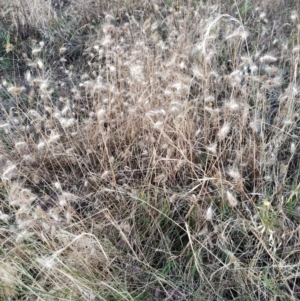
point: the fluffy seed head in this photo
(158, 125)
(101, 114)
(268, 59)
(209, 214)
(212, 148)
(294, 16)
(4, 217)
(224, 131)
(296, 49)
(231, 199)
(293, 147)
(15, 91)
(234, 173)
(40, 64)
(62, 50)
(47, 262)
(20, 145)
(41, 145)
(232, 105)
(9, 171)
(53, 137)
(36, 51)
(66, 122)
(267, 204)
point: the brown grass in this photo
(149, 151)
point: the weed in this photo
(149, 151)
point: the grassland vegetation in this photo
(149, 150)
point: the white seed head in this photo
(25, 224)
(4, 217)
(28, 76)
(272, 70)
(209, 214)
(232, 105)
(158, 125)
(288, 122)
(4, 125)
(105, 175)
(66, 122)
(36, 51)
(173, 198)
(41, 145)
(156, 113)
(9, 171)
(15, 121)
(293, 147)
(256, 125)
(21, 145)
(62, 201)
(15, 91)
(234, 173)
(101, 114)
(40, 64)
(24, 235)
(197, 72)
(125, 226)
(253, 69)
(198, 132)
(274, 82)
(65, 110)
(62, 50)
(57, 185)
(262, 15)
(8, 276)
(203, 231)
(296, 49)
(231, 199)
(212, 148)
(294, 15)
(35, 114)
(136, 71)
(36, 178)
(69, 196)
(268, 59)
(26, 197)
(29, 158)
(209, 100)
(47, 262)
(224, 131)
(211, 110)
(53, 137)
(239, 34)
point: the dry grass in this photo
(149, 151)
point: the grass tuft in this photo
(149, 151)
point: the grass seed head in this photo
(231, 199)
(232, 105)
(234, 173)
(268, 59)
(47, 262)
(224, 131)
(209, 214)
(16, 91)
(212, 148)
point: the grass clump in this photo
(149, 151)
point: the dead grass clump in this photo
(149, 153)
